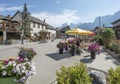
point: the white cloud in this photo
(67, 16)
(6, 7)
(57, 2)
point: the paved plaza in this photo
(48, 60)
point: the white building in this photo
(36, 25)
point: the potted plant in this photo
(70, 42)
(27, 53)
(66, 45)
(93, 48)
(61, 46)
(15, 71)
(73, 46)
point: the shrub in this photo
(99, 39)
(76, 74)
(114, 47)
(119, 51)
(114, 75)
(106, 35)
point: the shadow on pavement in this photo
(109, 57)
(57, 56)
(116, 62)
(86, 60)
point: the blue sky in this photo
(57, 12)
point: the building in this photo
(61, 31)
(40, 29)
(8, 29)
(116, 27)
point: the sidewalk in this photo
(2, 46)
(103, 61)
(48, 60)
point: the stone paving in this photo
(48, 60)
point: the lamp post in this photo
(4, 33)
(99, 22)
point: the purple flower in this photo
(93, 47)
(5, 62)
(28, 53)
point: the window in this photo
(34, 24)
(42, 27)
(38, 25)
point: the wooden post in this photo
(4, 33)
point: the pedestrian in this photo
(78, 43)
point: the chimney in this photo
(44, 20)
(8, 17)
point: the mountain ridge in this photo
(103, 20)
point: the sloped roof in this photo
(34, 19)
(65, 27)
(50, 27)
(18, 17)
(2, 17)
(118, 20)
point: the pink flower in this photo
(5, 62)
(93, 47)
(20, 59)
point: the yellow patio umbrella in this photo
(76, 31)
(90, 33)
(68, 32)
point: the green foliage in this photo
(73, 46)
(107, 35)
(26, 30)
(76, 74)
(114, 47)
(114, 76)
(99, 39)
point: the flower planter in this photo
(93, 55)
(66, 48)
(7, 81)
(73, 52)
(73, 49)
(61, 51)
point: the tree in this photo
(25, 30)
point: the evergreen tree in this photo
(26, 30)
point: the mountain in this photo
(72, 25)
(104, 20)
